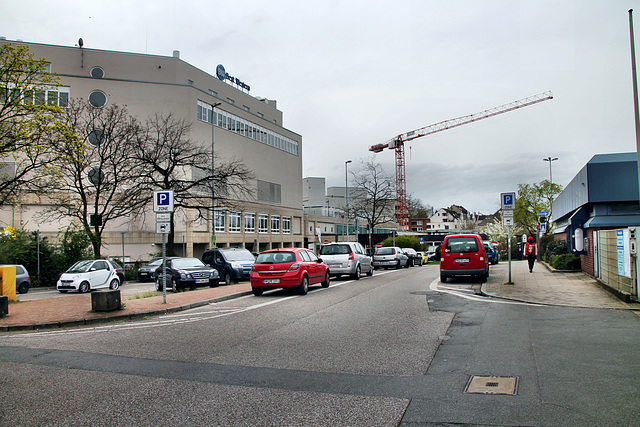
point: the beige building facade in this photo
(247, 128)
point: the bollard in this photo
(4, 305)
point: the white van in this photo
(346, 258)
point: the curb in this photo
(120, 317)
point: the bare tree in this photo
(377, 196)
(97, 177)
(417, 209)
(29, 124)
(173, 161)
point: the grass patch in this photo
(145, 294)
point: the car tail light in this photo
(253, 268)
(294, 267)
(351, 256)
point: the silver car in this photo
(347, 258)
(390, 257)
(22, 278)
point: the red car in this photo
(463, 255)
(288, 268)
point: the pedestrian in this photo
(531, 251)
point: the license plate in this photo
(461, 260)
(271, 281)
(202, 280)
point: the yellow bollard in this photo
(8, 282)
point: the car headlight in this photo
(213, 273)
(236, 266)
(183, 274)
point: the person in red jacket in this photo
(531, 252)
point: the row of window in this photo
(266, 223)
(56, 97)
(246, 128)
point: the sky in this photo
(349, 74)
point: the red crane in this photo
(398, 142)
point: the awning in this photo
(612, 221)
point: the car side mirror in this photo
(319, 260)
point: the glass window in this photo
(219, 221)
(40, 97)
(286, 225)
(52, 98)
(234, 222)
(263, 223)
(97, 73)
(305, 256)
(63, 99)
(249, 223)
(275, 223)
(97, 98)
(95, 176)
(96, 137)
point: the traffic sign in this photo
(163, 227)
(163, 217)
(163, 201)
(543, 213)
(507, 220)
(508, 200)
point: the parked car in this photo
(87, 275)
(186, 273)
(432, 256)
(296, 268)
(463, 255)
(233, 264)
(22, 278)
(414, 258)
(492, 252)
(119, 270)
(424, 256)
(390, 257)
(347, 258)
(146, 272)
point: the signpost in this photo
(508, 201)
(163, 207)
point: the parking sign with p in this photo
(163, 201)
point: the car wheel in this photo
(257, 292)
(115, 284)
(398, 265)
(327, 280)
(173, 285)
(84, 287)
(407, 265)
(483, 278)
(443, 279)
(23, 288)
(303, 288)
(356, 275)
(227, 279)
(158, 285)
(370, 272)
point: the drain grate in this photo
(492, 385)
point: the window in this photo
(213, 93)
(97, 98)
(286, 225)
(97, 73)
(231, 101)
(219, 221)
(190, 82)
(245, 108)
(234, 222)
(95, 176)
(249, 223)
(96, 137)
(275, 224)
(305, 256)
(263, 223)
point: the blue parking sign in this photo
(508, 200)
(163, 201)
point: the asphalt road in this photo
(394, 349)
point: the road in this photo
(397, 348)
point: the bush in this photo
(566, 262)
(403, 241)
(555, 247)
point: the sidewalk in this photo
(75, 310)
(542, 286)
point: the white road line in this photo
(434, 287)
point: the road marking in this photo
(434, 287)
(175, 318)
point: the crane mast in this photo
(397, 144)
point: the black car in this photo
(414, 257)
(232, 264)
(184, 273)
(119, 271)
(146, 273)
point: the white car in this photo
(84, 276)
(346, 258)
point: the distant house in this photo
(446, 219)
(597, 213)
(418, 224)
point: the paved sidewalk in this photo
(543, 286)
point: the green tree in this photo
(531, 200)
(23, 249)
(404, 241)
(29, 121)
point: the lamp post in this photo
(346, 194)
(213, 197)
(550, 160)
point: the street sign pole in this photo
(508, 201)
(164, 268)
(509, 250)
(163, 207)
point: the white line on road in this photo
(434, 287)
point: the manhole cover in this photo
(492, 385)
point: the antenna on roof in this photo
(80, 42)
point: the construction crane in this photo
(398, 142)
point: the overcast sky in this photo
(351, 74)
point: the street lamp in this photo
(346, 194)
(550, 160)
(213, 197)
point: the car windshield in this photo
(187, 263)
(238, 255)
(409, 250)
(80, 267)
(155, 262)
(385, 251)
(335, 250)
(275, 257)
(462, 245)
